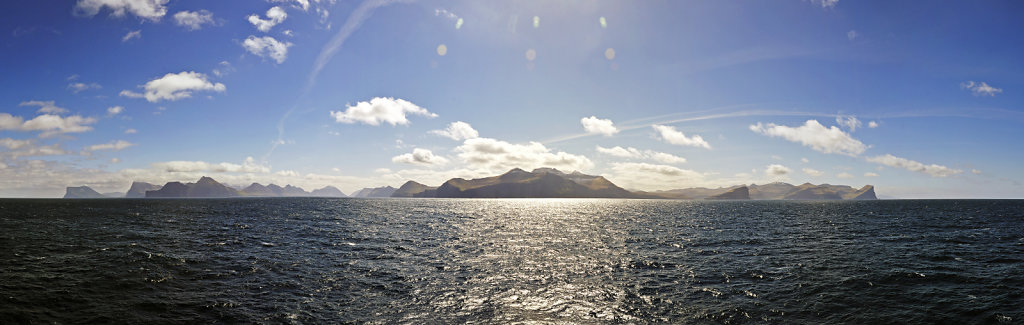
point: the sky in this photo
(918, 98)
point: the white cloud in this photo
(450, 16)
(301, 4)
(114, 110)
(13, 144)
(77, 87)
(420, 157)
(635, 153)
(287, 173)
(975, 172)
(775, 170)
(380, 109)
(851, 123)
(827, 4)
(115, 146)
(115, 160)
(805, 160)
(45, 106)
(653, 177)
(248, 166)
(457, 131)
(594, 125)
(152, 10)
(870, 174)
(193, 20)
(223, 68)
(30, 149)
(499, 156)
(665, 158)
(933, 169)
(670, 135)
(131, 131)
(131, 35)
(53, 125)
(275, 15)
(175, 86)
(980, 88)
(872, 125)
(844, 175)
(267, 46)
(852, 34)
(813, 134)
(50, 124)
(813, 172)
(621, 152)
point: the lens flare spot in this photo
(458, 23)
(442, 50)
(609, 54)
(536, 21)
(531, 54)
(604, 22)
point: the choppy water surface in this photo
(505, 261)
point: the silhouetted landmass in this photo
(414, 189)
(385, 191)
(780, 191)
(82, 192)
(739, 193)
(294, 191)
(138, 190)
(259, 190)
(327, 191)
(864, 193)
(204, 188)
(518, 183)
(113, 195)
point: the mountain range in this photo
(516, 183)
(205, 187)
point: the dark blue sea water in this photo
(297, 260)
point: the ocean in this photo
(416, 261)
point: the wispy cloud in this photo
(898, 162)
(267, 46)
(193, 20)
(151, 10)
(980, 88)
(131, 35)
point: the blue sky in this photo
(920, 99)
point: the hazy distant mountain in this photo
(739, 193)
(273, 190)
(114, 195)
(780, 191)
(541, 183)
(82, 192)
(385, 191)
(414, 189)
(138, 189)
(327, 191)
(205, 187)
(258, 190)
(294, 191)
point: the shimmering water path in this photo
(415, 261)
